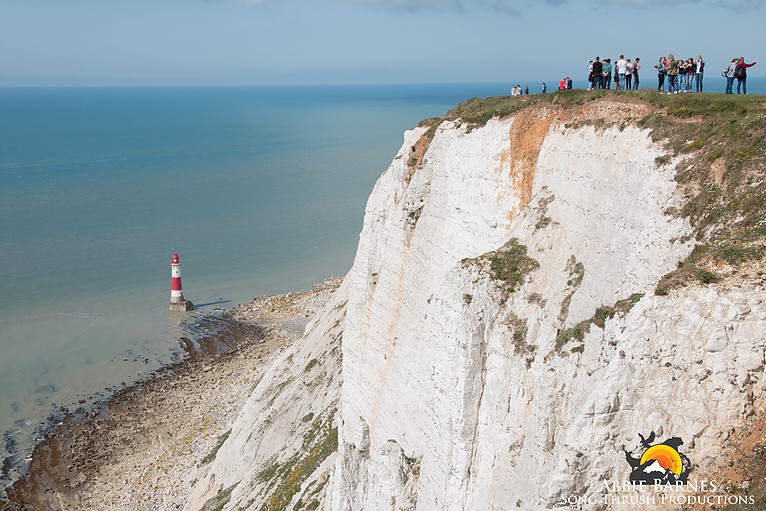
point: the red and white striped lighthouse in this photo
(177, 302)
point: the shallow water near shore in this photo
(259, 190)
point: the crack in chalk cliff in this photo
(482, 356)
(527, 134)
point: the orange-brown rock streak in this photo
(417, 152)
(528, 133)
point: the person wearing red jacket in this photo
(740, 73)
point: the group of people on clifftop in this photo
(681, 74)
(625, 73)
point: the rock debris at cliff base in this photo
(145, 448)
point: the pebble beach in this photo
(148, 444)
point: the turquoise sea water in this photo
(259, 190)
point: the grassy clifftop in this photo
(717, 143)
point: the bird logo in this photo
(659, 463)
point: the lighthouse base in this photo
(182, 306)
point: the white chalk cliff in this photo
(452, 392)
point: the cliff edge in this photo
(538, 282)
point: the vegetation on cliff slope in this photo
(717, 143)
(508, 265)
(284, 480)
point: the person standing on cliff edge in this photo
(597, 70)
(628, 75)
(622, 68)
(730, 75)
(740, 73)
(606, 71)
(662, 69)
(699, 70)
(636, 67)
(672, 72)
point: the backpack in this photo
(739, 73)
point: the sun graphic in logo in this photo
(659, 464)
(666, 456)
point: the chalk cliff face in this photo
(462, 390)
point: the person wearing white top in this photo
(622, 66)
(699, 70)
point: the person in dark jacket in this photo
(606, 77)
(662, 69)
(597, 67)
(740, 73)
(691, 70)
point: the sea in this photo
(260, 190)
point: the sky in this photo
(270, 42)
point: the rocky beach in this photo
(147, 445)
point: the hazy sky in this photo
(239, 42)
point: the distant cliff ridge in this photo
(538, 281)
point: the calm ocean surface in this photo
(260, 191)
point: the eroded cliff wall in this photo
(459, 393)
(500, 336)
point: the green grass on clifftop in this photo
(717, 144)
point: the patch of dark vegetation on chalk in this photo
(310, 365)
(519, 336)
(413, 216)
(599, 318)
(218, 502)
(508, 266)
(210, 457)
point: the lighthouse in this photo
(177, 302)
